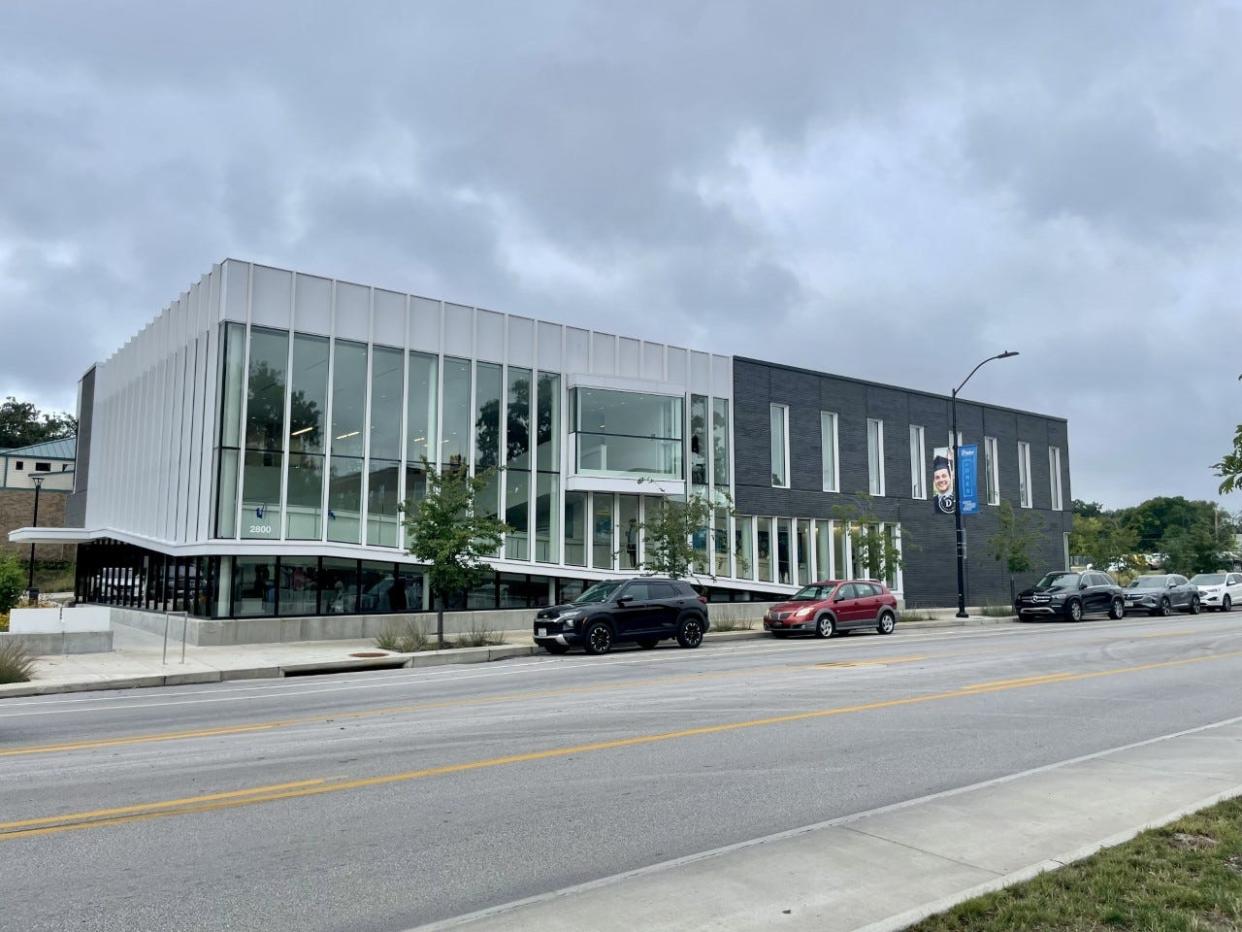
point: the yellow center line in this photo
(103, 817)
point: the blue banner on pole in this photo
(968, 478)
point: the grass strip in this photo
(1184, 877)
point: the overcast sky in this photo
(886, 190)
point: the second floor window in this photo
(918, 458)
(875, 456)
(828, 443)
(779, 415)
(1054, 476)
(1024, 473)
(990, 472)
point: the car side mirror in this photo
(625, 600)
(1172, 584)
(839, 597)
(1082, 584)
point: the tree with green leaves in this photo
(668, 535)
(1012, 542)
(1199, 548)
(875, 550)
(451, 536)
(1104, 541)
(1229, 469)
(12, 582)
(22, 424)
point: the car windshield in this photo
(598, 593)
(1058, 581)
(1148, 582)
(1209, 579)
(811, 594)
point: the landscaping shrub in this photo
(16, 666)
(12, 582)
(481, 634)
(998, 611)
(404, 638)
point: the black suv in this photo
(645, 610)
(1072, 595)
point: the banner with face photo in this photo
(942, 480)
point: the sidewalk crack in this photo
(934, 854)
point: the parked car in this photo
(834, 605)
(1159, 594)
(1219, 591)
(643, 611)
(1072, 595)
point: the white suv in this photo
(1219, 591)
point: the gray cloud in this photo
(931, 182)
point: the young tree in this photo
(450, 536)
(1230, 467)
(669, 535)
(1012, 542)
(12, 582)
(22, 424)
(874, 550)
(1104, 541)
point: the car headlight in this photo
(804, 612)
(569, 617)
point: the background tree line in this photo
(1183, 536)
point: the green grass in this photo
(743, 625)
(4, 621)
(16, 666)
(916, 615)
(997, 611)
(1184, 877)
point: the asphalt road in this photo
(383, 801)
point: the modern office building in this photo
(248, 453)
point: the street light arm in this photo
(1004, 355)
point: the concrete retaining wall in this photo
(57, 620)
(225, 632)
(70, 642)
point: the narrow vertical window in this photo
(307, 437)
(918, 462)
(698, 443)
(264, 434)
(828, 451)
(420, 426)
(1054, 476)
(349, 405)
(779, 419)
(384, 467)
(234, 379)
(720, 443)
(875, 456)
(1024, 473)
(991, 472)
(517, 459)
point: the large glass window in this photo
(875, 456)
(1054, 476)
(802, 538)
(601, 531)
(517, 513)
(991, 474)
(549, 423)
(386, 402)
(307, 412)
(918, 462)
(743, 531)
(575, 528)
(547, 535)
(338, 586)
(487, 416)
(778, 416)
(782, 549)
(234, 368)
(840, 549)
(628, 433)
(383, 515)
(828, 451)
(720, 542)
(1024, 473)
(299, 585)
(420, 428)
(627, 522)
(349, 405)
(720, 443)
(254, 586)
(381, 589)
(455, 443)
(698, 441)
(265, 433)
(823, 549)
(517, 419)
(765, 555)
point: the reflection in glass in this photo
(299, 585)
(549, 423)
(345, 500)
(601, 531)
(698, 440)
(803, 540)
(517, 513)
(265, 396)
(782, 549)
(765, 560)
(382, 514)
(629, 456)
(308, 394)
(421, 411)
(254, 586)
(234, 377)
(349, 399)
(720, 443)
(455, 445)
(720, 542)
(517, 419)
(305, 494)
(338, 586)
(546, 524)
(487, 417)
(226, 495)
(743, 529)
(261, 491)
(823, 550)
(575, 528)
(628, 433)
(386, 402)
(840, 543)
(777, 414)
(627, 520)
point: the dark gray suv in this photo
(1161, 594)
(644, 611)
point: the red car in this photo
(824, 608)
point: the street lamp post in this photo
(31, 592)
(960, 535)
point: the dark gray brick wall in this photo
(929, 572)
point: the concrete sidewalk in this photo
(886, 869)
(137, 658)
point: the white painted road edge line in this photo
(492, 912)
(919, 913)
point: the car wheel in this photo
(1195, 605)
(825, 627)
(598, 638)
(648, 643)
(1164, 609)
(1117, 610)
(1226, 605)
(886, 623)
(1075, 610)
(555, 648)
(690, 632)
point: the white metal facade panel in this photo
(577, 350)
(312, 308)
(700, 373)
(653, 361)
(604, 354)
(722, 376)
(677, 366)
(489, 335)
(521, 342)
(425, 325)
(551, 358)
(271, 297)
(458, 330)
(353, 312)
(628, 358)
(388, 323)
(236, 290)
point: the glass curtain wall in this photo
(455, 442)
(420, 428)
(628, 524)
(299, 586)
(234, 368)
(548, 464)
(720, 444)
(802, 538)
(766, 563)
(575, 528)
(782, 550)
(743, 546)
(307, 437)
(487, 429)
(601, 531)
(265, 434)
(387, 376)
(698, 444)
(720, 542)
(823, 549)
(349, 407)
(627, 434)
(517, 463)
(840, 549)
